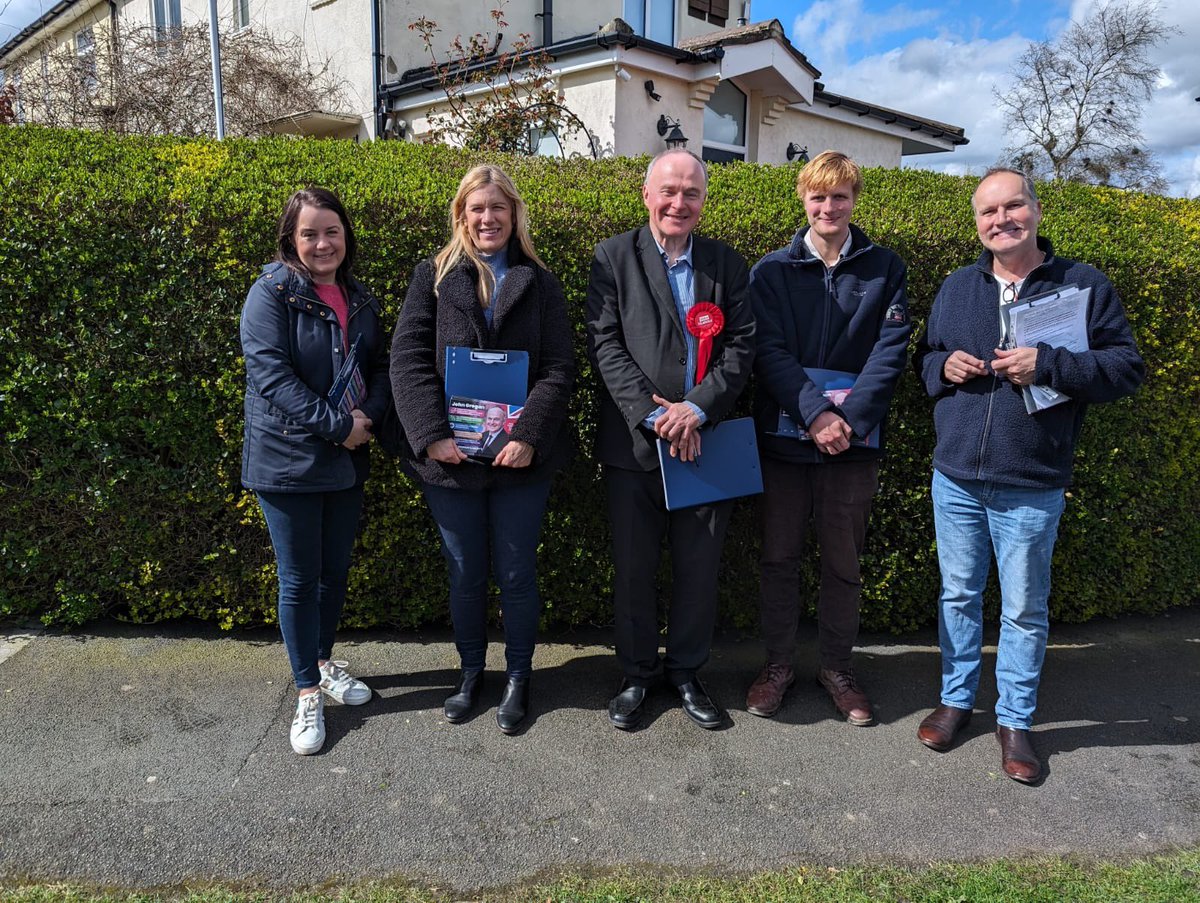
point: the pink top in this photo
(335, 298)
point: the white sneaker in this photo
(308, 727)
(341, 687)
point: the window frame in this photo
(85, 56)
(162, 12)
(646, 14)
(738, 151)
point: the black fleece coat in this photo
(530, 315)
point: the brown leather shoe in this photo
(1017, 757)
(939, 727)
(766, 693)
(850, 700)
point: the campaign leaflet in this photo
(349, 388)
(835, 385)
(481, 428)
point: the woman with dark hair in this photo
(487, 288)
(305, 451)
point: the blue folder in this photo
(726, 468)
(493, 375)
(833, 383)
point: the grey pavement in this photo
(142, 757)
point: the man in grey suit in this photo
(646, 287)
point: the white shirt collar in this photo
(808, 243)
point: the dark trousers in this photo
(313, 535)
(836, 497)
(492, 530)
(640, 520)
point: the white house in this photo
(633, 73)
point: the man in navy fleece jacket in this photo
(833, 301)
(1000, 473)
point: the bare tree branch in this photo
(494, 100)
(144, 81)
(1075, 105)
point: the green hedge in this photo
(124, 262)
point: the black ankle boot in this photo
(459, 706)
(513, 704)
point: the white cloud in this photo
(950, 78)
(828, 27)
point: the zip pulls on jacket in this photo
(830, 287)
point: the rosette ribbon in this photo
(705, 320)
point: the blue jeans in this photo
(492, 530)
(1021, 525)
(313, 535)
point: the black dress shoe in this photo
(459, 706)
(513, 705)
(697, 705)
(625, 709)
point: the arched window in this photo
(725, 124)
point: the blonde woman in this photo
(487, 288)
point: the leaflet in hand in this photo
(481, 428)
(835, 385)
(349, 389)
(1058, 319)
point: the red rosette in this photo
(704, 321)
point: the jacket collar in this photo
(799, 252)
(651, 262)
(296, 290)
(458, 289)
(984, 263)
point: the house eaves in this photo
(951, 134)
(750, 34)
(35, 26)
(426, 78)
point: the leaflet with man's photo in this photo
(835, 385)
(481, 428)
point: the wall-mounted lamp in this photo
(394, 127)
(672, 134)
(649, 86)
(794, 151)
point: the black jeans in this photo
(836, 497)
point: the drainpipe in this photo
(376, 69)
(547, 17)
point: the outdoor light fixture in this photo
(394, 127)
(649, 86)
(794, 150)
(669, 129)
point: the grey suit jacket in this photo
(636, 342)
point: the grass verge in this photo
(1172, 878)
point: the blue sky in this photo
(941, 60)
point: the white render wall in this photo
(808, 129)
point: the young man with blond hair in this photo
(830, 301)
